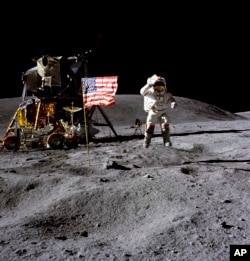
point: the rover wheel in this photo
(11, 143)
(55, 141)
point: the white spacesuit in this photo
(156, 101)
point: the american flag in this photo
(99, 90)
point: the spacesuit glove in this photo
(151, 80)
(173, 105)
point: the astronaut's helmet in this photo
(160, 85)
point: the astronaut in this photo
(156, 102)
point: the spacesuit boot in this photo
(148, 135)
(166, 136)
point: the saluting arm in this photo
(144, 90)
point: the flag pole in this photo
(86, 132)
(84, 111)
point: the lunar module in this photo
(51, 113)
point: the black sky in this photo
(202, 51)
